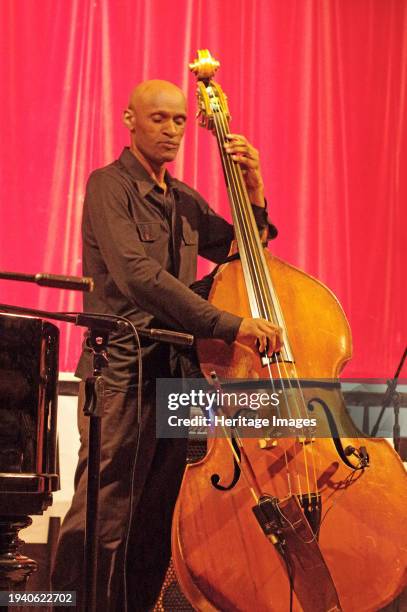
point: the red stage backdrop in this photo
(318, 86)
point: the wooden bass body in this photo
(221, 556)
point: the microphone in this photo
(172, 337)
(76, 283)
(105, 323)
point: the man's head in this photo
(156, 118)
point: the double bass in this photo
(303, 522)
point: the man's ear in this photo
(129, 118)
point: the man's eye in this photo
(179, 120)
(157, 118)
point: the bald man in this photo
(142, 232)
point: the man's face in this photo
(157, 122)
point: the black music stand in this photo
(392, 397)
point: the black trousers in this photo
(143, 527)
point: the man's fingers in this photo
(239, 144)
(271, 344)
(244, 152)
(262, 344)
(242, 148)
(246, 161)
(275, 339)
(232, 137)
(278, 339)
(266, 335)
(271, 338)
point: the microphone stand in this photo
(99, 328)
(93, 408)
(391, 396)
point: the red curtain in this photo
(318, 86)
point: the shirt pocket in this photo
(189, 236)
(148, 232)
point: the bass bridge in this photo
(311, 503)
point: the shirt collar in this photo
(139, 174)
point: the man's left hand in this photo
(242, 152)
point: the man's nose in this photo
(171, 128)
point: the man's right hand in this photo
(261, 334)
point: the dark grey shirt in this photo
(141, 246)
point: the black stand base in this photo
(15, 568)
